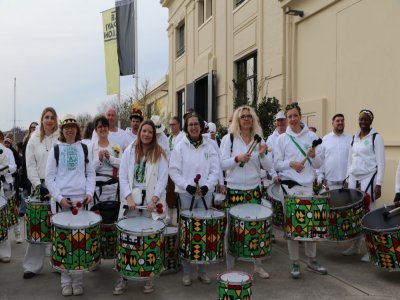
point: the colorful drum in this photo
(249, 231)
(140, 243)
(12, 211)
(75, 241)
(172, 262)
(382, 236)
(346, 209)
(37, 220)
(234, 285)
(3, 220)
(275, 196)
(201, 234)
(307, 218)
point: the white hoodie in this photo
(286, 151)
(187, 161)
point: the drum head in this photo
(108, 210)
(141, 225)
(235, 277)
(375, 220)
(250, 212)
(170, 230)
(343, 197)
(82, 219)
(202, 214)
(3, 202)
(275, 192)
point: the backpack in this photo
(373, 141)
(85, 151)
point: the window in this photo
(204, 11)
(238, 2)
(181, 104)
(246, 79)
(180, 39)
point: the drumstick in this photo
(386, 214)
(158, 208)
(257, 139)
(315, 143)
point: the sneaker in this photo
(28, 275)
(365, 258)
(66, 291)
(203, 277)
(77, 290)
(18, 238)
(353, 250)
(186, 280)
(314, 266)
(148, 288)
(120, 287)
(5, 259)
(260, 272)
(295, 271)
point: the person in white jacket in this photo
(144, 167)
(136, 117)
(5, 246)
(366, 167)
(40, 143)
(288, 162)
(194, 155)
(396, 199)
(70, 180)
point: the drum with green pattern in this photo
(37, 220)
(140, 243)
(235, 197)
(3, 220)
(108, 238)
(234, 285)
(12, 211)
(172, 263)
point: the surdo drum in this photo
(37, 220)
(3, 220)
(234, 285)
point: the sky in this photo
(54, 49)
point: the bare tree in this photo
(83, 119)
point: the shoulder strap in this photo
(231, 138)
(352, 141)
(300, 149)
(85, 152)
(56, 153)
(373, 140)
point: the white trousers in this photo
(34, 258)
(363, 185)
(5, 249)
(71, 279)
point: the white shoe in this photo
(5, 259)
(18, 238)
(203, 277)
(365, 258)
(260, 272)
(77, 290)
(186, 280)
(66, 291)
(120, 287)
(351, 251)
(148, 288)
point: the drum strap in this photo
(300, 149)
(371, 185)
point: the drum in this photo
(201, 234)
(346, 209)
(234, 285)
(172, 263)
(249, 231)
(12, 211)
(75, 241)
(275, 196)
(382, 237)
(108, 211)
(3, 220)
(37, 220)
(140, 243)
(307, 218)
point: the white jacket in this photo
(246, 177)
(36, 155)
(186, 162)
(105, 167)
(12, 166)
(364, 161)
(68, 179)
(3, 160)
(286, 151)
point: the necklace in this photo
(45, 142)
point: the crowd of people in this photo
(142, 166)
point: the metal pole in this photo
(15, 104)
(136, 54)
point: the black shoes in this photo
(28, 275)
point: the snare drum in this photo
(275, 196)
(3, 220)
(307, 218)
(234, 285)
(12, 211)
(382, 237)
(37, 220)
(172, 263)
(249, 231)
(75, 241)
(346, 209)
(201, 234)
(140, 243)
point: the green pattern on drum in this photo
(307, 218)
(75, 249)
(108, 241)
(227, 291)
(345, 224)
(249, 239)
(235, 197)
(12, 211)
(139, 257)
(171, 257)
(37, 221)
(201, 240)
(278, 218)
(384, 249)
(3, 224)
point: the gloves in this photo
(44, 194)
(191, 189)
(204, 190)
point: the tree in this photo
(266, 110)
(83, 119)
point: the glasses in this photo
(193, 124)
(244, 117)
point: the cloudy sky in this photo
(55, 50)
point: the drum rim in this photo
(314, 197)
(74, 226)
(157, 231)
(270, 194)
(171, 233)
(219, 277)
(36, 201)
(346, 206)
(387, 230)
(251, 219)
(212, 217)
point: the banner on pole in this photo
(125, 10)
(110, 51)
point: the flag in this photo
(110, 51)
(126, 36)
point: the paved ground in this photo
(348, 278)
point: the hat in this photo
(280, 115)
(212, 127)
(157, 123)
(68, 119)
(205, 125)
(136, 113)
